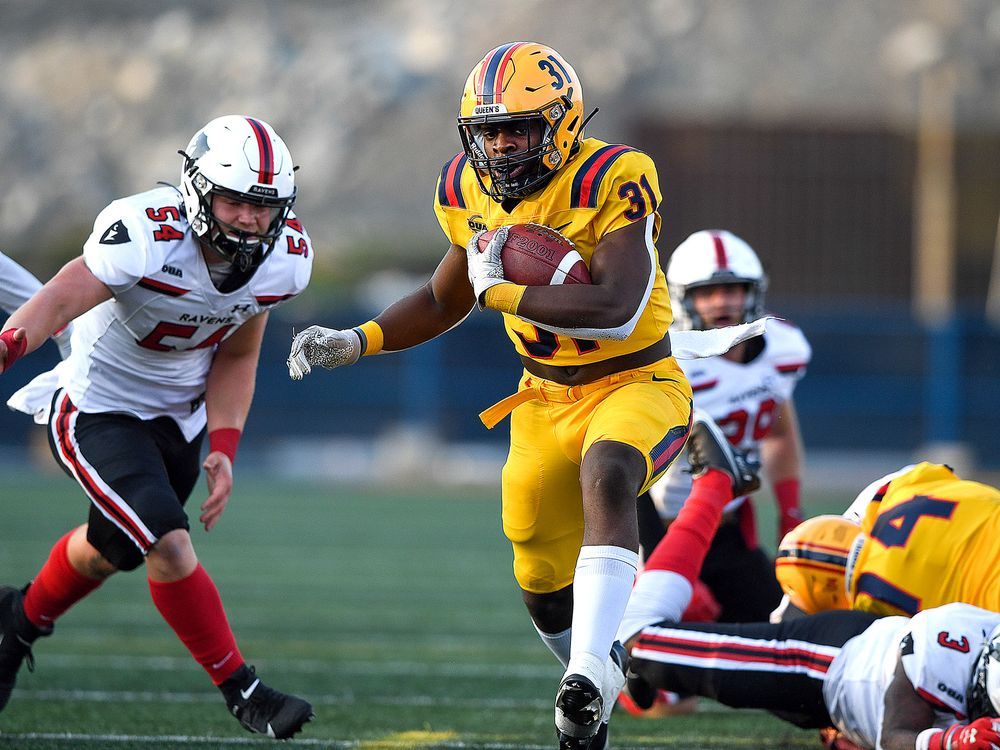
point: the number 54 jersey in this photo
(148, 350)
(742, 397)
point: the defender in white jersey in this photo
(171, 297)
(715, 280)
(17, 284)
(931, 682)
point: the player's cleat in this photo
(583, 710)
(708, 448)
(639, 695)
(600, 740)
(264, 710)
(17, 633)
(579, 708)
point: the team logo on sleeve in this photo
(116, 234)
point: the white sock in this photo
(658, 595)
(601, 588)
(558, 643)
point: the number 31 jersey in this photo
(603, 188)
(148, 350)
(742, 397)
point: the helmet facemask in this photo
(519, 174)
(983, 697)
(245, 250)
(753, 304)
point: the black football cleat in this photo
(600, 741)
(17, 633)
(579, 709)
(583, 710)
(264, 710)
(708, 448)
(641, 692)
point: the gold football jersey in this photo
(929, 538)
(603, 188)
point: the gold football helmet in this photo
(812, 560)
(527, 84)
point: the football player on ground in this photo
(602, 407)
(931, 682)
(17, 287)
(174, 288)
(914, 539)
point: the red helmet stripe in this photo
(480, 77)
(266, 154)
(720, 251)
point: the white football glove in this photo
(485, 268)
(321, 346)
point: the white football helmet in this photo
(244, 159)
(983, 698)
(713, 256)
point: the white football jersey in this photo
(743, 398)
(938, 647)
(148, 350)
(17, 284)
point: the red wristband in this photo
(930, 739)
(787, 492)
(15, 349)
(225, 440)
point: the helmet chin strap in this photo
(238, 250)
(243, 255)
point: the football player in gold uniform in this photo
(912, 540)
(602, 407)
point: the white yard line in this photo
(382, 744)
(309, 666)
(151, 696)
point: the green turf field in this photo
(395, 613)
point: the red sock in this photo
(57, 587)
(193, 608)
(688, 537)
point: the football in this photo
(537, 256)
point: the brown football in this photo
(538, 256)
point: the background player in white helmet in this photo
(931, 682)
(17, 287)
(715, 279)
(171, 297)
